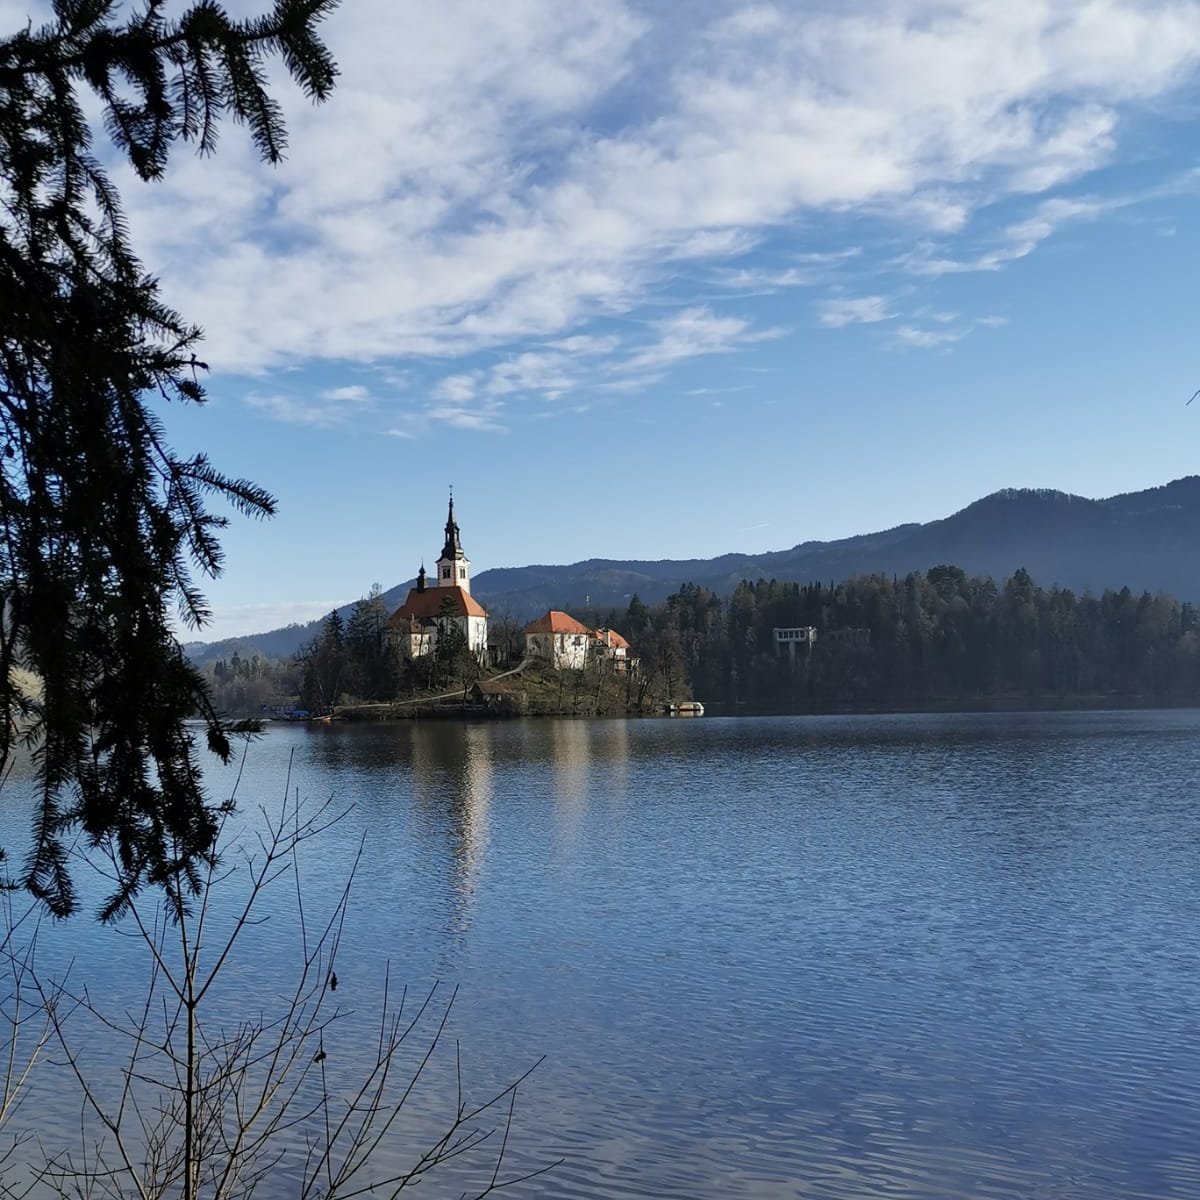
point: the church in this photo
(431, 610)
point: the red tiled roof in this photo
(610, 637)
(427, 605)
(556, 622)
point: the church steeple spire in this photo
(453, 547)
(453, 568)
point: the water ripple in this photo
(839, 958)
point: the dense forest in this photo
(880, 640)
(926, 637)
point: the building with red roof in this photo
(609, 644)
(430, 611)
(559, 639)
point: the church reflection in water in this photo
(453, 777)
(467, 779)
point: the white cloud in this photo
(928, 339)
(549, 372)
(483, 418)
(716, 391)
(928, 313)
(1024, 237)
(751, 279)
(293, 410)
(692, 332)
(1019, 239)
(949, 328)
(456, 402)
(586, 344)
(332, 406)
(713, 243)
(860, 310)
(491, 175)
(457, 389)
(353, 393)
(532, 371)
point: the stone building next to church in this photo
(430, 611)
(567, 644)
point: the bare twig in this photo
(206, 1110)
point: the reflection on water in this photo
(452, 779)
(931, 957)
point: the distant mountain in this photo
(1144, 540)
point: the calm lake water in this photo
(885, 956)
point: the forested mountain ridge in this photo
(1144, 540)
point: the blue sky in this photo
(651, 281)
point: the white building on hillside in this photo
(558, 639)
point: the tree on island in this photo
(324, 664)
(454, 661)
(104, 525)
(375, 660)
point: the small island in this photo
(440, 655)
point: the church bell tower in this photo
(454, 567)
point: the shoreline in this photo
(410, 711)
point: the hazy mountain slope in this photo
(1145, 540)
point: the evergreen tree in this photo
(375, 664)
(325, 664)
(103, 522)
(454, 661)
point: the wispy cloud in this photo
(483, 418)
(804, 270)
(948, 328)
(764, 279)
(693, 332)
(469, 400)
(1017, 240)
(529, 372)
(353, 393)
(928, 313)
(294, 411)
(928, 339)
(449, 201)
(329, 407)
(859, 310)
(456, 389)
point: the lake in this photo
(887, 956)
